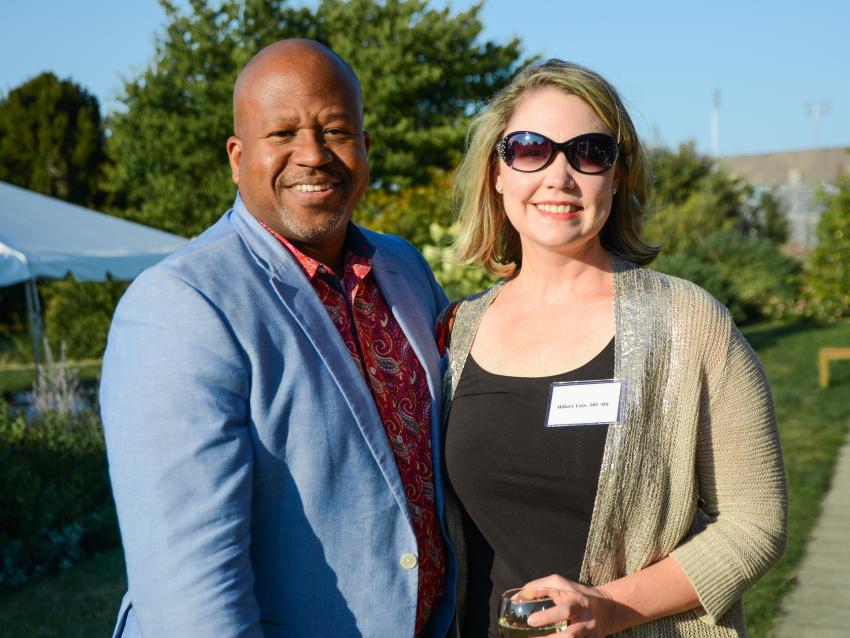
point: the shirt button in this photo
(408, 561)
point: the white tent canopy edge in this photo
(45, 237)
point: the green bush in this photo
(827, 274)
(77, 314)
(746, 273)
(410, 211)
(55, 501)
(423, 215)
(457, 280)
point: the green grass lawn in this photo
(14, 378)
(83, 600)
(813, 423)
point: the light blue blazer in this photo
(257, 493)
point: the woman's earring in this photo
(498, 188)
(615, 190)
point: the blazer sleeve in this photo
(174, 407)
(742, 488)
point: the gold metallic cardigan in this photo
(693, 470)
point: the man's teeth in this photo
(312, 188)
(550, 208)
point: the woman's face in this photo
(557, 208)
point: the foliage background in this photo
(826, 287)
(55, 501)
(52, 140)
(422, 70)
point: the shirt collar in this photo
(358, 254)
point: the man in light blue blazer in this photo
(263, 484)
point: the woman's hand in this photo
(589, 610)
(660, 590)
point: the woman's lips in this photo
(557, 210)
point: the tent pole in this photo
(36, 326)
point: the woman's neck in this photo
(550, 276)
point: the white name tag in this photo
(584, 402)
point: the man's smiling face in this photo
(299, 154)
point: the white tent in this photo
(45, 237)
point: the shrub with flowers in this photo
(55, 502)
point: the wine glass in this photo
(517, 605)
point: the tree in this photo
(422, 70)
(744, 272)
(676, 175)
(52, 140)
(774, 222)
(716, 232)
(827, 270)
(691, 198)
(170, 167)
(409, 212)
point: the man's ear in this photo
(234, 154)
(367, 140)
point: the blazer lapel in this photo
(299, 299)
(411, 314)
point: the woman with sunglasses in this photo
(610, 435)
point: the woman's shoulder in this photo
(465, 312)
(476, 304)
(674, 304)
(683, 294)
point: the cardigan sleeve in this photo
(741, 483)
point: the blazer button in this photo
(408, 561)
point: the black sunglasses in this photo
(527, 152)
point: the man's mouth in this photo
(311, 188)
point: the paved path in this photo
(819, 607)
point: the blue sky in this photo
(667, 58)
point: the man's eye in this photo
(335, 132)
(282, 134)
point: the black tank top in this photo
(527, 490)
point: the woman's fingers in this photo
(580, 610)
(553, 581)
(564, 611)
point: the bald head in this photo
(298, 57)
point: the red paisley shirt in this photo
(398, 384)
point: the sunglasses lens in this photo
(528, 151)
(593, 153)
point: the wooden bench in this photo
(827, 355)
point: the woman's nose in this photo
(559, 173)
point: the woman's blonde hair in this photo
(486, 236)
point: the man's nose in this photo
(310, 149)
